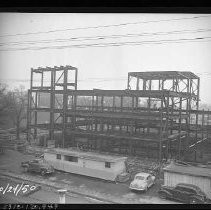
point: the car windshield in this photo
(140, 177)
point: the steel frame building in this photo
(157, 115)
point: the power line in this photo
(103, 26)
(110, 44)
(105, 37)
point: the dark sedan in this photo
(185, 193)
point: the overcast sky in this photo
(106, 67)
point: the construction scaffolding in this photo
(156, 116)
(61, 81)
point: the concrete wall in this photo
(86, 167)
(172, 179)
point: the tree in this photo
(3, 99)
(18, 107)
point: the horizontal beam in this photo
(124, 93)
(55, 68)
(124, 115)
(113, 136)
(68, 84)
(156, 75)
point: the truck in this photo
(37, 165)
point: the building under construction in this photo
(156, 116)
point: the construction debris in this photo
(136, 165)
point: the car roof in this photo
(188, 185)
(142, 174)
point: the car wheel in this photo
(162, 195)
(193, 201)
(43, 172)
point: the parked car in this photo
(186, 193)
(37, 165)
(123, 177)
(142, 181)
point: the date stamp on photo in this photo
(22, 188)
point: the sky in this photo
(31, 40)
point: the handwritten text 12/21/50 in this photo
(24, 188)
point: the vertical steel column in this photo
(76, 79)
(28, 115)
(92, 120)
(188, 108)
(102, 103)
(180, 126)
(31, 81)
(64, 120)
(113, 108)
(161, 134)
(29, 107)
(173, 84)
(190, 84)
(167, 126)
(162, 84)
(102, 124)
(149, 104)
(137, 84)
(202, 124)
(172, 112)
(74, 116)
(144, 84)
(176, 85)
(96, 108)
(96, 103)
(113, 104)
(92, 103)
(35, 116)
(137, 102)
(121, 103)
(197, 108)
(121, 106)
(42, 79)
(75, 104)
(41, 87)
(128, 81)
(52, 105)
(172, 106)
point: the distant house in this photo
(91, 164)
(199, 176)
